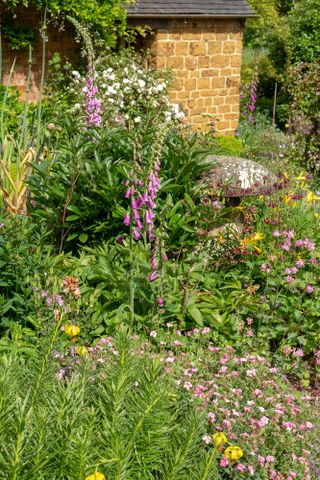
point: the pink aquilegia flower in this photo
(309, 288)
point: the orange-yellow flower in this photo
(72, 330)
(233, 452)
(219, 439)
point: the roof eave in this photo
(186, 16)
(173, 17)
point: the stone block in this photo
(223, 125)
(214, 47)
(229, 47)
(224, 109)
(233, 91)
(195, 74)
(190, 35)
(232, 99)
(203, 83)
(190, 84)
(175, 62)
(226, 72)
(191, 63)
(198, 48)
(220, 61)
(200, 102)
(165, 48)
(218, 82)
(212, 110)
(203, 62)
(235, 61)
(191, 103)
(218, 101)
(181, 48)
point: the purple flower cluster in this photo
(93, 104)
(143, 204)
(250, 94)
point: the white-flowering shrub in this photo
(128, 91)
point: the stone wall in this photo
(57, 41)
(205, 56)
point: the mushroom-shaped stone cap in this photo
(238, 177)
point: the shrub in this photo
(304, 117)
(26, 263)
(228, 146)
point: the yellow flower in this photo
(219, 439)
(257, 249)
(82, 350)
(311, 197)
(72, 330)
(257, 236)
(96, 476)
(234, 453)
(300, 178)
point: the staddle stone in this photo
(238, 177)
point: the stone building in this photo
(201, 41)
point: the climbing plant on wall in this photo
(107, 17)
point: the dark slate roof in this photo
(189, 8)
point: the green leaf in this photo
(196, 315)
(71, 218)
(83, 237)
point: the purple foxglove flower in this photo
(139, 225)
(126, 183)
(153, 276)
(127, 220)
(127, 194)
(136, 234)
(120, 240)
(150, 234)
(153, 264)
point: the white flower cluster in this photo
(128, 92)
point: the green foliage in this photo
(26, 262)
(303, 23)
(304, 115)
(120, 416)
(18, 36)
(12, 108)
(228, 146)
(107, 17)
